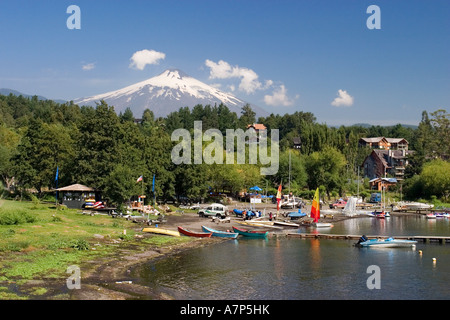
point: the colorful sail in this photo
(315, 209)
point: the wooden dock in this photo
(425, 239)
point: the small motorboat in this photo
(381, 214)
(384, 243)
(322, 224)
(218, 233)
(190, 233)
(251, 233)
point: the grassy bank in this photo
(38, 242)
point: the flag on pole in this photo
(57, 173)
(153, 187)
(279, 197)
(279, 192)
(315, 209)
(139, 179)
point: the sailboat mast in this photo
(289, 173)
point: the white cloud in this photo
(144, 57)
(88, 66)
(249, 79)
(343, 99)
(279, 98)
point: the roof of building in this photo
(396, 140)
(76, 187)
(372, 140)
(257, 126)
(389, 140)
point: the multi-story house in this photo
(389, 157)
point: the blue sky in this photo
(284, 56)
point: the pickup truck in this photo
(338, 204)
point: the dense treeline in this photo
(97, 147)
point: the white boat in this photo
(437, 215)
(286, 224)
(418, 206)
(385, 243)
(322, 225)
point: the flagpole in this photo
(56, 178)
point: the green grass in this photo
(38, 240)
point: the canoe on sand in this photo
(162, 231)
(190, 233)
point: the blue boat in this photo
(296, 215)
(218, 233)
(251, 233)
(248, 213)
(384, 243)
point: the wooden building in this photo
(76, 196)
(383, 143)
(381, 163)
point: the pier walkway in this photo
(425, 239)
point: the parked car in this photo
(215, 209)
(338, 204)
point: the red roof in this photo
(257, 126)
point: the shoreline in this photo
(110, 277)
(112, 280)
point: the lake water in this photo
(286, 268)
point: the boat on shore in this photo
(163, 231)
(251, 233)
(190, 233)
(286, 224)
(218, 233)
(296, 215)
(418, 206)
(261, 224)
(385, 243)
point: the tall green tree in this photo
(326, 168)
(100, 133)
(43, 148)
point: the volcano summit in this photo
(165, 93)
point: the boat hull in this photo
(387, 243)
(222, 234)
(322, 225)
(162, 231)
(190, 233)
(251, 234)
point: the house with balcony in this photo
(383, 163)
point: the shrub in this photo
(9, 217)
(80, 244)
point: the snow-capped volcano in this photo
(166, 93)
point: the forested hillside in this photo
(96, 147)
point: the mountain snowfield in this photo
(166, 93)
